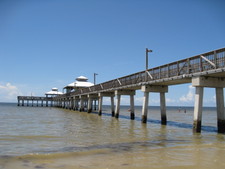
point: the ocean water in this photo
(55, 138)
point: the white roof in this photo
(80, 84)
(81, 78)
(54, 91)
(81, 81)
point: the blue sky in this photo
(48, 43)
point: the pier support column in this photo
(212, 82)
(145, 107)
(112, 106)
(132, 115)
(90, 104)
(100, 99)
(198, 110)
(76, 104)
(61, 103)
(64, 103)
(157, 89)
(220, 110)
(83, 100)
(81, 105)
(71, 103)
(91, 98)
(68, 103)
(118, 94)
(106, 94)
(163, 108)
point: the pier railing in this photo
(200, 63)
(34, 98)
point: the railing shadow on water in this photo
(204, 128)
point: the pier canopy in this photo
(54, 92)
(81, 82)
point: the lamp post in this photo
(95, 74)
(146, 55)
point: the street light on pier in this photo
(95, 74)
(147, 51)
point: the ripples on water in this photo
(40, 137)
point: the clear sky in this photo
(48, 43)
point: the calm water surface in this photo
(40, 137)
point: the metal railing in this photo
(200, 63)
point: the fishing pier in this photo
(35, 101)
(204, 70)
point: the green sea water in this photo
(46, 137)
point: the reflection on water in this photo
(36, 137)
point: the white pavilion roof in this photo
(54, 91)
(81, 81)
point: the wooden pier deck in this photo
(204, 70)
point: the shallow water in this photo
(40, 137)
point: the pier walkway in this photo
(204, 70)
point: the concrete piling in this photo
(118, 97)
(163, 108)
(89, 104)
(100, 105)
(198, 110)
(118, 94)
(132, 115)
(157, 89)
(220, 110)
(212, 82)
(145, 107)
(112, 105)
